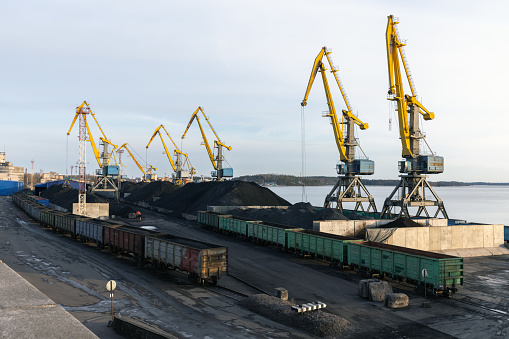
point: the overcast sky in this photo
(142, 64)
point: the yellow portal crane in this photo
(217, 161)
(413, 183)
(176, 165)
(349, 186)
(147, 175)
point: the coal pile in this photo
(147, 192)
(194, 197)
(316, 323)
(400, 223)
(299, 215)
(65, 196)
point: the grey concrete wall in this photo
(94, 210)
(446, 237)
(353, 228)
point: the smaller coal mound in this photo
(65, 196)
(121, 210)
(148, 192)
(400, 223)
(355, 216)
(194, 197)
(317, 323)
(129, 186)
(299, 215)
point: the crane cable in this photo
(303, 153)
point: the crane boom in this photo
(215, 160)
(409, 134)
(149, 167)
(347, 154)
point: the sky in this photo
(247, 63)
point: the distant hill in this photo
(291, 180)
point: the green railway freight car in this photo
(210, 220)
(269, 233)
(235, 225)
(444, 272)
(327, 246)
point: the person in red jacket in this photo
(138, 216)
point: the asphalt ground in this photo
(73, 274)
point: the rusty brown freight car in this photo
(127, 239)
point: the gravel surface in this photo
(318, 323)
(194, 197)
(299, 215)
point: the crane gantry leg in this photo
(349, 188)
(413, 194)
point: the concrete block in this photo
(498, 235)
(282, 293)
(437, 222)
(396, 300)
(434, 238)
(363, 287)
(422, 238)
(478, 240)
(411, 237)
(457, 236)
(488, 236)
(445, 238)
(378, 290)
(399, 237)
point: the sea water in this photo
(478, 203)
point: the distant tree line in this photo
(291, 180)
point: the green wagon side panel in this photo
(412, 267)
(354, 254)
(400, 264)
(388, 262)
(365, 257)
(376, 259)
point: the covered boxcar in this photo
(202, 261)
(444, 272)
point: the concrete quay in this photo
(25, 312)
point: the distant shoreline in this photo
(273, 180)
